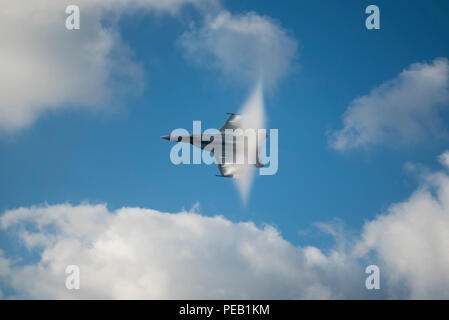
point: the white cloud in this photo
(403, 110)
(412, 240)
(444, 158)
(46, 67)
(143, 253)
(246, 46)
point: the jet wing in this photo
(227, 162)
(233, 122)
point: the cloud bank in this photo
(405, 110)
(142, 253)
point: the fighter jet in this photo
(227, 147)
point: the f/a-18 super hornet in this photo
(235, 145)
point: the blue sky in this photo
(115, 155)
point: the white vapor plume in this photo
(253, 117)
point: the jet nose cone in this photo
(166, 137)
